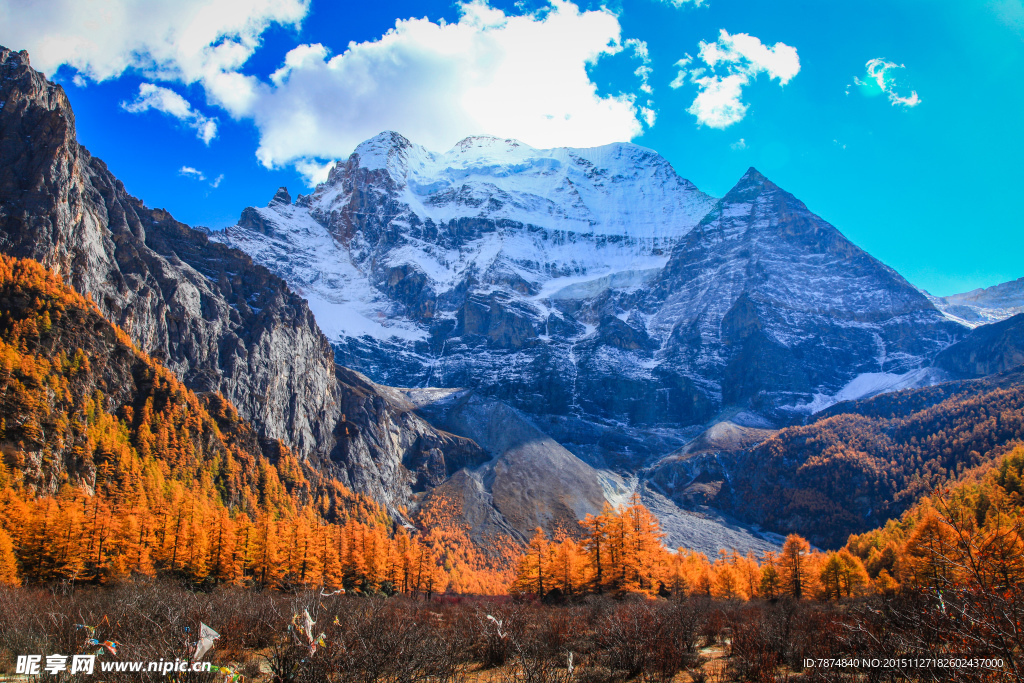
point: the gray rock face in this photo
(529, 479)
(764, 304)
(219, 321)
(207, 312)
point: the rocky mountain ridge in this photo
(983, 306)
(219, 321)
(586, 312)
(595, 290)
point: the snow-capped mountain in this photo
(983, 306)
(397, 227)
(592, 288)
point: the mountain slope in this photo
(81, 405)
(111, 469)
(856, 468)
(987, 350)
(218, 321)
(768, 305)
(584, 288)
(983, 306)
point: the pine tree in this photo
(832, 577)
(928, 553)
(224, 562)
(535, 566)
(643, 559)
(326, 541)
(567, 567)
(596, 545)
(8, 561)
(854, 576)
(264, 568)
(793, 565)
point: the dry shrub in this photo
(401, 640)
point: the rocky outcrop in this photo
(385, 448)
(216, 319)
(529, 480)
(693, 476)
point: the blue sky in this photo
(897, 121)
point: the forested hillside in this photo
(111, 467)
(982, 514)
(850, 472)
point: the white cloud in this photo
(880, 79)
(645, 70)
(189, 41)
(683, 3)
(522, 77)
(171, 103)
(315, 172)
(190, 172)
(731, 63)
(739, 145)
(680, 79)
(196, 174)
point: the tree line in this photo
(620, 551)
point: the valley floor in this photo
(312, 636)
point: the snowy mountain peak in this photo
(490, 143)
(758, 209)
(576, 283)
(752, 184)
(281, 197)
(983, 306)
(385, 151)
(614, 190)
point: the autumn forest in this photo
(114, 474)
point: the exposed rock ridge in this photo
(983, 306)
(216, 319)
(764, 300)
(219, 321)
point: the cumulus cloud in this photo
(516, 76)
(683, 3)
(730, 64)
(880, 79)
(315, 172)
(522, 76)
(171, 103)
(739, 145)
(189, 41)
